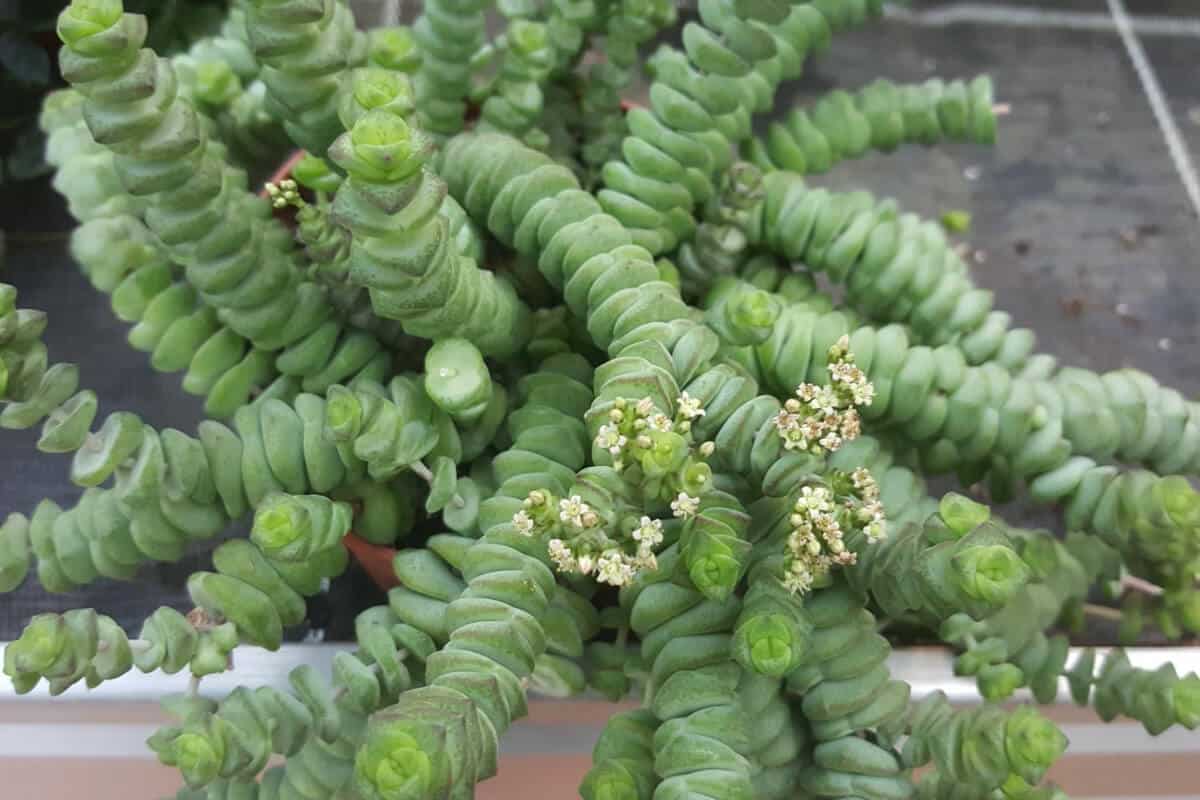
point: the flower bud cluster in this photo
(822, 518)
(283, 194)
(820, 418)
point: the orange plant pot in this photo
(375, 559)
(284, 170)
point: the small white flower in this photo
(814, 427)
(586, 564)
(798, 579)
(800, 542)
(572, 510)
(813, 498)
(864, 393)
(649, 532)
(646, 560)
(561, 555)
(862, 478)
(851, 425)
(685, 505)
(613, 569)
(523, 523)
(644, 407)
(828, 525)
(609, 438)
(831, 441)
(876, 529)
(807, 391)
(789, 428)
(707, 449)
(689, 407)
(660, 422)
(825, 401)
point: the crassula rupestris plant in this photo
(571, 358)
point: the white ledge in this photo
(925, 669)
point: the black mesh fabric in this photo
(82, 329)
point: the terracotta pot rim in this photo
(282, 171)
(375, 559)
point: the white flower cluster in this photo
(581, 545)
(623, 434)
(870, 512)
(611, 565)
(820, 522)
(820, 418)
(577, 541)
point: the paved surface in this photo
(1081, 220)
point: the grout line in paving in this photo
(1019, 17)
(1163, 115)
